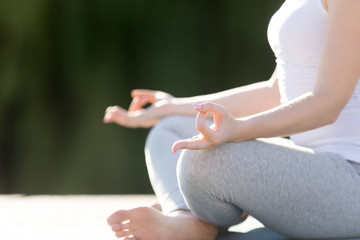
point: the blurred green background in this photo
(63, 62)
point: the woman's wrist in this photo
(242, 130)
(179, 106)
(170, 107)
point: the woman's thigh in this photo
(290, 189)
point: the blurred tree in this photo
(63, 62)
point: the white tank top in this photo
(296, 35)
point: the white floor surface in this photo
(70, 216)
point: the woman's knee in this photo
(210, 170)
(200, 184)
(193, 173)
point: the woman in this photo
(308, 187)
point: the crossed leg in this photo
(171, 218)
(290, 189)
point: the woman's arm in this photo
(338, 74)
(241, 101)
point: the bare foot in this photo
(147, 223)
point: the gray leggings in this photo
(290, 189)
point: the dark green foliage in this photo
(63, 62)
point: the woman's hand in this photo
(137, 115)
(210, 136)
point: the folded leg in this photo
(290, 189)
(161, 162)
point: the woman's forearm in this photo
(307, 112)
(240, 102)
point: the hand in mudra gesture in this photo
(138, 116)
(221, 131)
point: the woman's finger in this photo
(118, 115)
(143, 92)
(202, 127)
(220, 113)
(194, 143)
(211, 108)
(109, 113)
(151, 94)
(139, 102)
(134, 105)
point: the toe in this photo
(120, 227)
(122, 234)
(118, 217)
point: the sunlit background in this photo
(62, 62)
